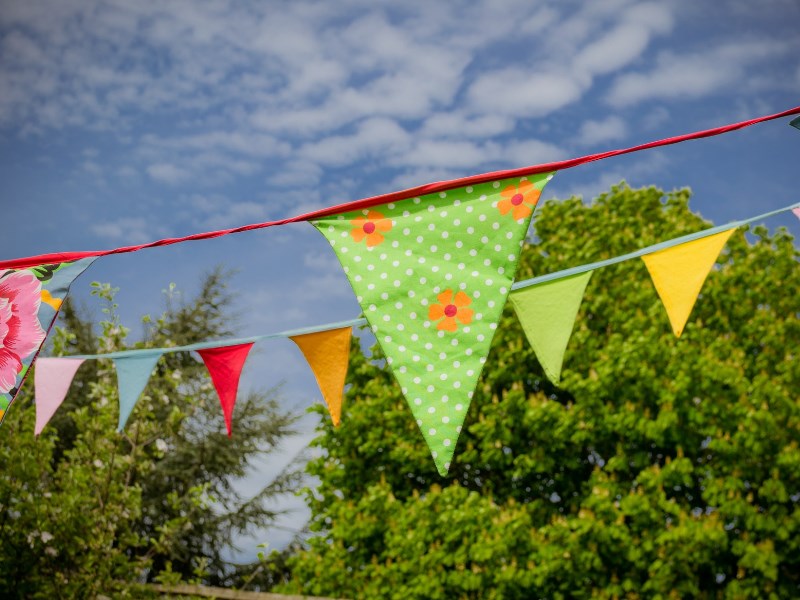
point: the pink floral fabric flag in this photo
(29, 302)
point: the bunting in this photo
(678, 274)
(431, 268)
(547, 314)
(133, 373)
(29, 302)
(546, 306)
(432, 275)
(328, 354)
(225, 365)
(52, 378)
(23, 325)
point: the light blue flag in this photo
(133, 373)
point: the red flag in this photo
(225, 364)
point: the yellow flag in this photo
(327, 353)
(679, 273)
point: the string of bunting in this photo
(432, 268)
(546, 307)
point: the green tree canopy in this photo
(660, 467)
(84, 508)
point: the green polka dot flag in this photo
(432, 275)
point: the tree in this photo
(85, 508)
(659, 467)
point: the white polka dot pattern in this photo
(432, 275)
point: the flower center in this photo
(369, 227)
(516, 199)
(450, 310)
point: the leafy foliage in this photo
(661, 467)
(85, 508)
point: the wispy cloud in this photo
(167, 173)
(132, 230)
(694, 75)
(600, 131)
(201, 95)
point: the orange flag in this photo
(327, 353)
(680, 271)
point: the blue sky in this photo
(124, 122)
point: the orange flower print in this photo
(370, 228)
(519, 199)
(451, 309)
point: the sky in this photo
(125, 122)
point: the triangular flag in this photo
(51, 381)
(29, 302)
(432, 275)
(327, 353)
(225, 364)
(547, 314)
(796, 212)
(680, 271)
(133, 373)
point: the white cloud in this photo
(614, 50)
(444, 153)
(129, 230)
(598, 131)
(516, 92)
(521, 153)
(599, 39)
(92, 167)
(694, 75)
(456, 125)
(203, 94)
(373, 136)
(167, 173)
(235, 214)
(127, 172)
(295, 173)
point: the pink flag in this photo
(52, 379)
(796, 212)
(225, 366)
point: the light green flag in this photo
(432, 275)
(547, 313)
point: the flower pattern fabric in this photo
(432, 275)
(20, 331)
(451, 309)
(370, 228)
(29, 300)
(519, 200)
